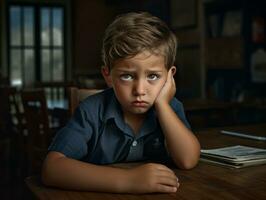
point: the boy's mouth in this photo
(140, 103)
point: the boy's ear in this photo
(173, 69)
(107, 76)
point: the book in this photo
(244, 135)
(232, 24)
(235, 156)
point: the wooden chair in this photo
(15, 108)
(6, 122)
(76, 95)
(38, 126)
(6, 135)
(14, 126)
(55, 92)
(57, 99)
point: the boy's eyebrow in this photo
(132, 70)
(154, 70)
(124, 69)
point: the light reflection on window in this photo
(52, 44)
(29, 67)
(57, 27)
(45, 65)
(16, 72)
(45, 27)
(15, 25)
(28, 26)
(58, 65)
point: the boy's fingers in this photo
(170, 181)
(166, 188)
(168, 173)
(163, 167)
(167, 170)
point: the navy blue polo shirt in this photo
(97, 133)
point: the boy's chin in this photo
(139, 111)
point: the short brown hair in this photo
(133, 33)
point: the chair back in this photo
(11, 109)
(16, 108)
(14, 125)
(76, 95)
(6, 135)
(37, 124)
(6, 122)
(55, 92)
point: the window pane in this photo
(16, 69)
(45, 27)
(23, 48)
(29, 67)
(45, 66)
(28, 26)
(57, 27)
(15, 25)
(58, 63)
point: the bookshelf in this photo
(234, 47)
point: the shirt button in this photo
(134, 143)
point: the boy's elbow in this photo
(187, 164)
(192, 159)
(45, 177)
(49, 172)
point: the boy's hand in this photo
(168, 90)
(150, 177)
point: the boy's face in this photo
(137, 81)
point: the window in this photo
(52, 48)
(36, 44)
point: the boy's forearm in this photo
(66, 173)
(72, 174)
(181, 142)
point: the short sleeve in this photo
(73, 138)
(179, 110)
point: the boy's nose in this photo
(139, 88)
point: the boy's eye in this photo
(153, 77)
(126, 77)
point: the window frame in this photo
(37, 39)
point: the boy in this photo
(137, 119)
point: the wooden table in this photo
(205, 181)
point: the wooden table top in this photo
(205, 181)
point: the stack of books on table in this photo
(234, 156)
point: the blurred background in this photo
(56, 44)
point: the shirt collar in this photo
(114, 111)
